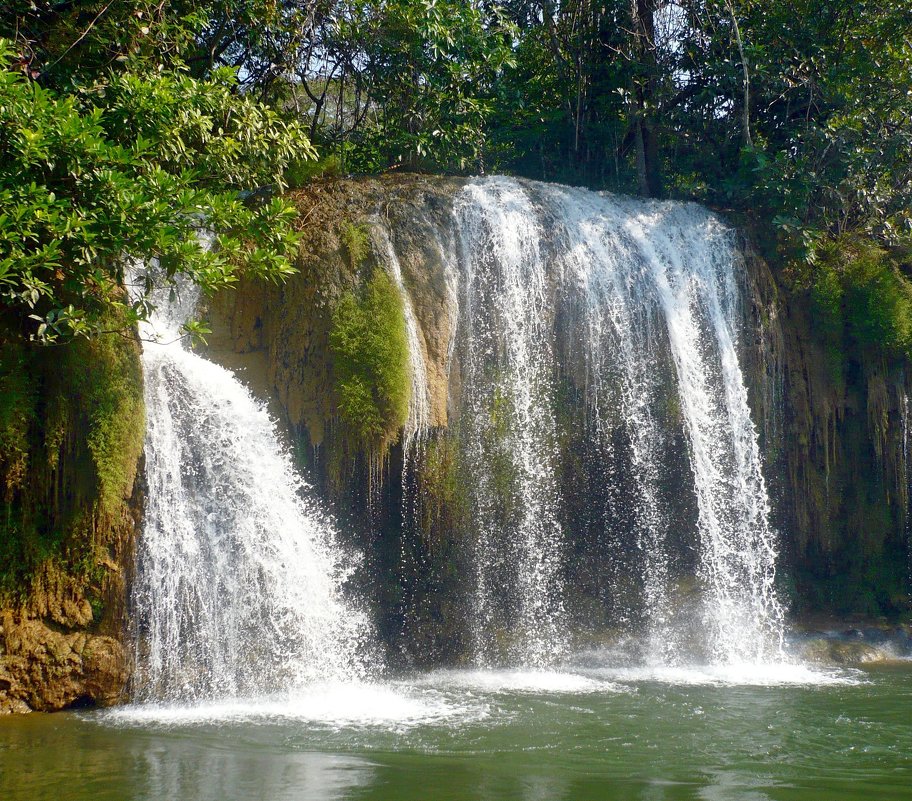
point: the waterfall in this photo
(419, 411)
(651, 296)
(595, 383)
(509, 424)
(239, 575)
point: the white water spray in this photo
(239, 576)
(509, 423)
(419, 413)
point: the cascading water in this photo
(238, 587)
(633, 305)
(654, 300)
(418, 422)
(509, 424)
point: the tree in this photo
(643, 92)
(104, 166)
(397, 82)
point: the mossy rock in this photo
(71, 434)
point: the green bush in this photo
(860, 294)
(126, 169)
(356, 238)
(301, 171)
(369, 344)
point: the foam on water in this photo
(539, 682)
(766, 674)
(393, 707)
(454, 699)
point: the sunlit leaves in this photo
(134, 167)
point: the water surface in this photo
(587, 734)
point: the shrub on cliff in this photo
(861, 296)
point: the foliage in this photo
(381, 82)
(132, 167)
(429, 62)
(861, 296)
(302, 171)
(582, 77)
(369, 345)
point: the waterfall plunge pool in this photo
(586, 734)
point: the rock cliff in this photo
(71, 427)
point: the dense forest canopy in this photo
(127, 123)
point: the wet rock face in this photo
(278, 336)
(68, 528)
(45, 670)
(833, 424)
(840, 472)
(852, 647)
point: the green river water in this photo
(768, 733)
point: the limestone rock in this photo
(278, 337)
(844, 653)
(44, 669)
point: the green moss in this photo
(114, 407)
(71, 433)
(861, 298)
(301, 172)
(356, 238)
(369, 345)
(444, 503)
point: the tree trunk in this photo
(649, 176)
(745, 120)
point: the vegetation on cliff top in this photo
(796, 111)
(99, 168)
(861, 297)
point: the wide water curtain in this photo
(601, 436)
(635, 305)
(239, 576)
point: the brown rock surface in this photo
(44, 669)
(277, 337)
